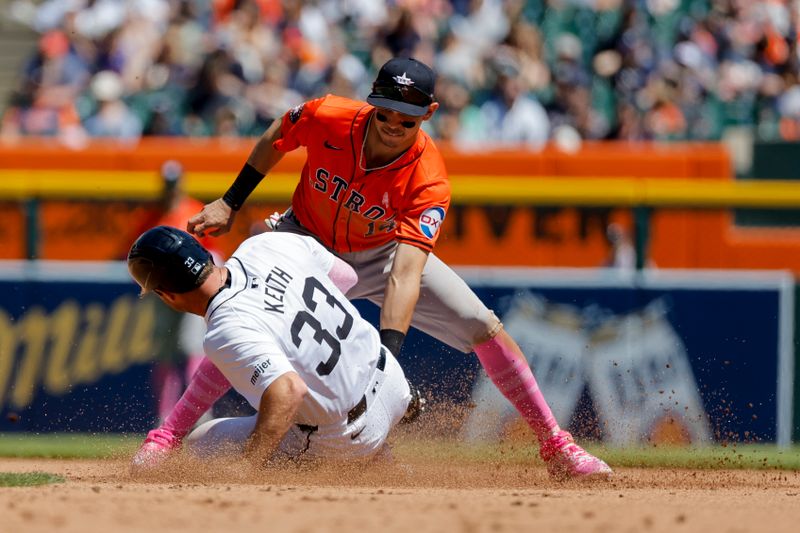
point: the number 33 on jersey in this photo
(282, 313)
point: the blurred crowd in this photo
(510, 71)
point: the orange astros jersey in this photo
(351, 210)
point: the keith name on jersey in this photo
(275, 285)
(334, 187)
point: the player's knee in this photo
(488, 330)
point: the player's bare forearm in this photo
(402, 287)
(264, 156)
(276, 413)
(400, 298)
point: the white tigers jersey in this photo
(282, 313)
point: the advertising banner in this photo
(659, 357)
(76, 344)
(629, 358)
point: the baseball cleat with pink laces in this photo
(156, 448)
(566, 460)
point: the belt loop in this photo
(361, 406)
(382, 360)
(357, 411)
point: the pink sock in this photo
(192, 364)
(509, 371)
(206, 387)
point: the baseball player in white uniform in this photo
(281, 332)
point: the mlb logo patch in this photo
(431, 220)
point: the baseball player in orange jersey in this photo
(374, 191)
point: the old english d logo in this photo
(431, 220)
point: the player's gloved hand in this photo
(154, 451)
(273, 220)
(415, 407)
(215, 218)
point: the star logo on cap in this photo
(403, 80)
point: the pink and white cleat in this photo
(154, 451)
(566, 460)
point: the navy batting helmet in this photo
(167, 259)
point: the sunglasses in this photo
(407, 124)
(402, 93)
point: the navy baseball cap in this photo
(404, 85)
(167, 259)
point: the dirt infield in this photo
(411, 497)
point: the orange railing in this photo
(84, 201)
